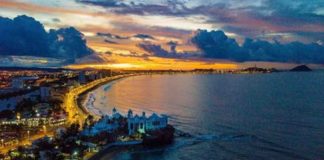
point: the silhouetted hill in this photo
(301, 68)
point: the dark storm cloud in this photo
(111, 36)
(270, 16)
(298, 12)
(215, 44)
(68, 43)
(157, 50)
(173, 45)
(24, 36)
(106, 3)
(144, 36)
(316, 36)
(170, 7)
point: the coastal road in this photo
(76, 114)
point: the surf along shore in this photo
(161, 136)
(81, 99)
(83, 111)
(76, 97)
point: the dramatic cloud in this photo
(24, 36)
(111, 42)
(68, 43)
(157, 50)
(173, 46)
(111, 36)
(167, 7)
(144, 36)
(119, 37)
(215, 44)
(107, 3)
(251, 18)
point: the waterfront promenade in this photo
(76, 112)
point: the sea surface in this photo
(275, 116)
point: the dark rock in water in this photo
(301, 68)
(179, 133)
(159, 137)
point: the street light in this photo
(28, 133)
(44, 129)
(18, 117)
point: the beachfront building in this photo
(142, 124)
(105, 124)
(135, 123)
(115, 114)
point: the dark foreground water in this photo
(261, 116)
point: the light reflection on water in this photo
(265, 116)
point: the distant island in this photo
(301, 68)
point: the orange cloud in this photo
(155, 63)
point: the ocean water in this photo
(244, 116)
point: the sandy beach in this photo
(85, 100)
(85, 103)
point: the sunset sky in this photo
(181, 34)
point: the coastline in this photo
(82, 97)
(110, 150)
(85, 104)
(81, 101)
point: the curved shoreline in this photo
(77, 113)
(81, 101)
(82, 97)
(84, 102)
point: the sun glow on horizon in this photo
(155, 63)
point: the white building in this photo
(115, 114)
(142, 123)
(105, 124)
